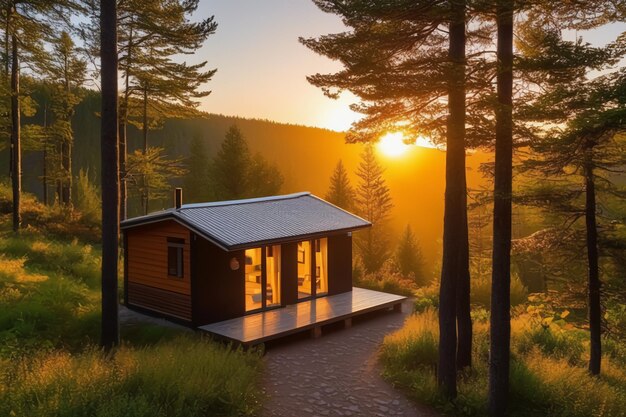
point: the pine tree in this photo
(153, 35)
(229, 170)
(66, 71)
(580, 144)
(150, 173)
(340, 191)
(500, 319)
(401, 44)
(264, 178)
(110, 174)
(196, 182)
(373, 203)
(236, 174)
(409, 257)
(25, 25)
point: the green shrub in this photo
(87, 199)
(183, 377)
(426, 298)
(480, 290)
(388, 279)
(552, 341)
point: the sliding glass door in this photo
(312, 270)
(262, 278)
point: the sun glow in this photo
(392, 144)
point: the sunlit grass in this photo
(183, 377)
(548, 371)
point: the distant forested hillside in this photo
(306, 157)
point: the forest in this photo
(507, 230)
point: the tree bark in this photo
(16, 145)
(463, 303)
(123, 123)
(45, 155)
(595, 308)
(110, 173)
(499, 357)
(122, 163)
(454, 203)
(145, 197)
(66, 165)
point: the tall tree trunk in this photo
(463, 309)
(454, 202)
(7, 43)
(66, 165)
(595, 308)
(45, 155)
(110, 173)
(16, 145)
(122, 161)
(123, 123)
(463, 304)
(145, 196)
(499, 357)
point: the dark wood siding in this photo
(339, 264)
(218, 291)
(289, 273)
(147, 256)
(166, 302)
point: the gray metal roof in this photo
(238, 224)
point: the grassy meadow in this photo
(50, 363)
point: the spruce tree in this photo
(235, 173)
(340, 191)
(196, 182)
(409, 257)
(373, 203)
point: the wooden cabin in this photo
(208, 262)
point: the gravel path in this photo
(337, 374)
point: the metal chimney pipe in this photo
(178, 197)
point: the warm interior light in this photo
(392, 144)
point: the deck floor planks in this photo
(272, 324)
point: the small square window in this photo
(175, 257)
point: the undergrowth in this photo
(548, 369)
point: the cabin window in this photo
(175, 257)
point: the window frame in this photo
(177, 244)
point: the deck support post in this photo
(316, 332)
(347, 323)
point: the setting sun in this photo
(392, 144)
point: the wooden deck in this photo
(307, 315)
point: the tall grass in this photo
(548, 371)
(183, 377)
